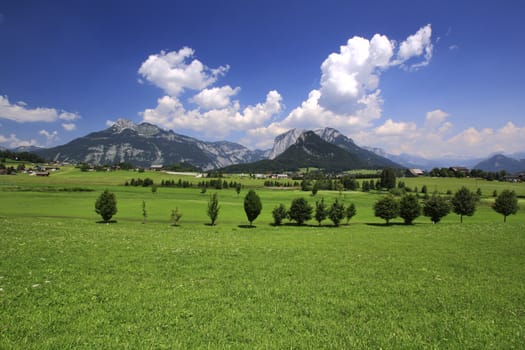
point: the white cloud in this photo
(391, 128)
(172, 72)
(349, 97)
(50, 136)
(215, 98)
(434, 139)
(69, 126)
(19, 112)
(171, 113)
(12, 141)
(68, 116)
(110, 123)
(416, 45)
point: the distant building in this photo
(414, 172)
(156, 167)
(459, 170)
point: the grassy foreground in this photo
(68, 282)
(76, 284)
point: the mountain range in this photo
(147, 144)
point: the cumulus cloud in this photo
(349, 97)
(391, 128)
(172, 114)
(20, 113)
(69, 126)
(435, 138)
(51, 136)
(215, 98)
(12, 141)
(416, 45)
(176, 71)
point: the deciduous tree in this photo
(387, 208)
(320, 211)
(409, 208)
(279, 214)
(350, 212)
(213, 208)
(464, 203)
(506, 204)
(252, 206)
(436, 208)
(336, 213)
(106, 205)
(300, 211)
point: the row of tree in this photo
(436, 207)
(408, 207)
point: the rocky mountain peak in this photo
(122, 124)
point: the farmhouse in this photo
(156, 167)
(414, 172)
(459, 170)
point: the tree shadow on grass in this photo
(107, 222)
(247, 226)
(384, 224)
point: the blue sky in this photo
(433, 78)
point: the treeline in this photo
(20, 156)
(217, 184)
(476, 173)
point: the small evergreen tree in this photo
(409, 208)
(238, 189)
(350, 212)
(213, 208)
(144, 212)
(506, 204)
(315, 188)
(279, 214)
(300, 211)
(336, 212)
(387, 208)
(106, 205)
(176, 215)
(436, 208)
(388, 178)
(464, 203)
(252, 206)
(320, 211)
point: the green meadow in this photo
(67, 281)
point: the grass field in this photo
(68, 282)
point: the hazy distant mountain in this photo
(31, 149)
(146, 144)
(412, 161)
(311, 149)
(500, 162)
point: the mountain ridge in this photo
(146, 144)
